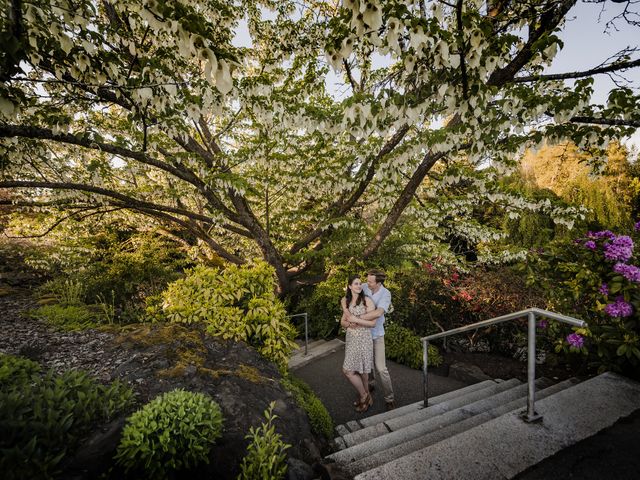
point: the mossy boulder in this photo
(169, 356)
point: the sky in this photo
(586, 44)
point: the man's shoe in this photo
(389, 406)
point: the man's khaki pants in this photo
(381, 374)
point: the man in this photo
(382, 299)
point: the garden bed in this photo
(499, 366)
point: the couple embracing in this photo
(363, 310)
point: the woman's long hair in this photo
(349, 296)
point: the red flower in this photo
(465, 295)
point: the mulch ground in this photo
(498, 366)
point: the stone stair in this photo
(316, 349)
(477, 432)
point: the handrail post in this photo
(425, 381)
(531, 415)
(306, 330)
(306, 335)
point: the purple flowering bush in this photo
(595, 278)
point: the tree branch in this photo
(28, 131)
(181, 172)
(216, 247)
(129, 202)
(606, 121)
(586, 73)
(547, 23)
(401, 203)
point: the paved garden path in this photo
(325, 377)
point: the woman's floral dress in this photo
(358, 350)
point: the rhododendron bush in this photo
(305, 132)
(595, 278)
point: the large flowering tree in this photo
(150, 106)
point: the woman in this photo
(358, 352)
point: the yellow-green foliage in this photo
(266, 458)
(321, 422)
(565, 170)
(237, 303)
(173, 432)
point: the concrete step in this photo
(505, 446)
(317, 349)
(312, 344)
(415, 417)
(445, 397)
(454, 422)
(354, 425)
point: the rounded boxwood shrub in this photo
(174, 431)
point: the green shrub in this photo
(237, 303)
(323, 305)
(130, 271)
(405, 347)
(265, 459)
(174, 431)
(16, 370)
(44, 416)
(321, 422)
(422, 299)
(66, 317)
(117, 272)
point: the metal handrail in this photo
(306, 330)
(531, 313)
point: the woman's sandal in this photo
(365, 404)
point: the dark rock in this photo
(312, 452)
(467, 373)
(95, 454)
(233, 374)
(298, 470)
(330, 471)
